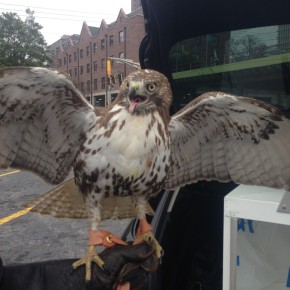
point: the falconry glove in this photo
(125, 267)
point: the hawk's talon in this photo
(90, 256)
(151, 240)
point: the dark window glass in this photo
(250, 62)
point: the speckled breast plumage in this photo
(129, 156)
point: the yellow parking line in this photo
(11, 172)
(14, 216)
(17, 214)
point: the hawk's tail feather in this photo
(65, 201)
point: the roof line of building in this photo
(94, 31)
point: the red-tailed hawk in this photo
(135, 148)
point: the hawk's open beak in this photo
(135, 102)
(135, 96)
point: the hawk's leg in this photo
(91, 254)
(96, 238)
(144, 231)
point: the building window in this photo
(95, 65)
(88, 86)
(81, 69)
(103, 63)
(69, 58)
(95, 84)
(82, 86)
(70, 72)
(64, 60)
(88, 50)
(121, 55)
(103, 44)
(75, 56)
(103, 82)
(121, 36)
(81, 53)
(88, 68)
(76, 71)
(111, 40)
(94, 47)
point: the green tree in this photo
(247, 47)
(21, 42)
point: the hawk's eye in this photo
(151, 87)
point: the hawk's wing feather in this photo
(65, 201)
(43, 121)
(223, 137)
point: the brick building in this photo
(135, 4)
(84, 56)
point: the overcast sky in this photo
(66, 17)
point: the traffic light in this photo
(109, 67)
(120, 77)
(109, 80)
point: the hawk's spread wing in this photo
(43, 121)
(223, 137)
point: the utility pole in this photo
(91, 71)
(109, 80)
(106, 80)
(125, 49)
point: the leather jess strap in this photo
(104, 238)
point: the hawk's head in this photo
(146, 90)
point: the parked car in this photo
(239, 47)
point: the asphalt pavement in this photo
(32, 237)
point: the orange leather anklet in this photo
(144, 227)
(125, 286)
(104, 238)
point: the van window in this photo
(250, 62)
